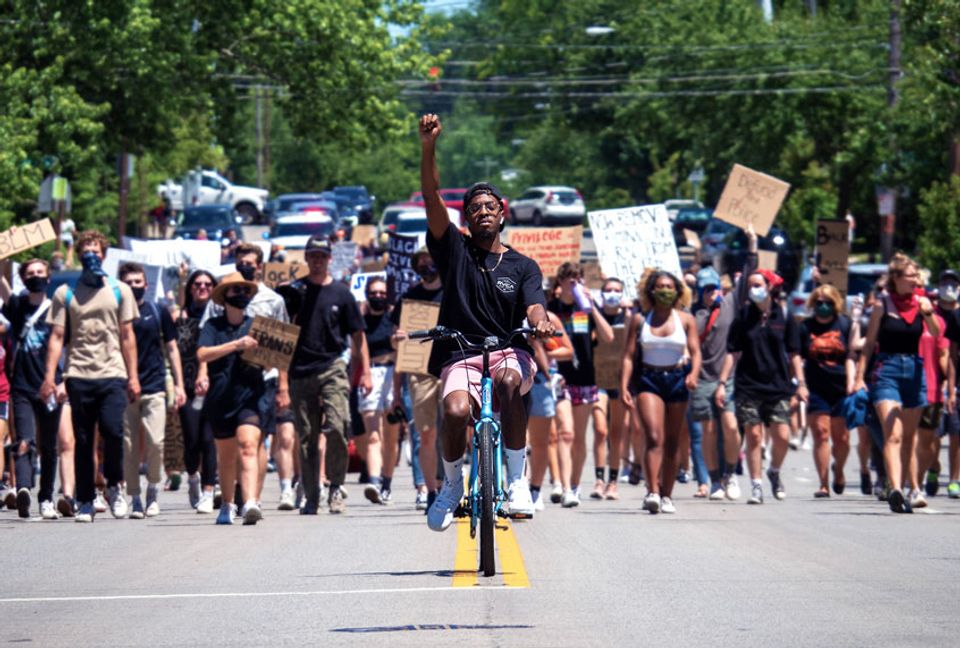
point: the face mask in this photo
(427, 271)
(758, 294)
(138, 293)
(239, 301)
(611, 299)
(377, 303)
(248, 272)
(92, 269)
(823, 310)
(949, 292)
(36, 284)
(665, 296)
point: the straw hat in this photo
(232, 279)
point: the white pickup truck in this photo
(205, 187)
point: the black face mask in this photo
(249, 272)
(36, 284)
(138, 293)
(377, 303)
(427, 271)
(239, 301)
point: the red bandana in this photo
(907, 306)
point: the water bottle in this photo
(51, 402)
(197, 403)
(555, 386)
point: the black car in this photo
(732, 259)
(215, 219)
(360, 200)
(693, 219)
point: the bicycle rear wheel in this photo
(487, 503)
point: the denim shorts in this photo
(670, 385)
(819, 404)
(542, 401)
(899, 377)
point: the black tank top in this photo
(896, 336)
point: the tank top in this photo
(665, 351)
(379, 329)
(896, 336)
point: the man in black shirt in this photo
(329, 317)
(489, 289)
(153, 330)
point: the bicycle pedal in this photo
(501, 528)
(460, 512)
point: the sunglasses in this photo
(202, 284)
(488, 205)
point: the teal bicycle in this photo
(485, 497)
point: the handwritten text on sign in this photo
(276, 343)
(549, 247)
(751, 197)
(414, 355)
(275, 274)
(631, 239)
(833, 253)
(25, 237)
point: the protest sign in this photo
(276, 342)
(413, 356)
(275, 274)
(291, 256)
(833, 253)
(766, 260)
(358, 284)
(196, 254)
(375, 265)
(548, 246)
(592, 276)
(364, 235)
(26, 236)
(631, 239)
(751, 197)
(400, 275)
(116, 257)
(608, 358)
(344, 260)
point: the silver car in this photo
(861, 280)
(548, 205)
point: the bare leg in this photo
(754, 434)
(248, 443)
(581, 417)
(390, 447)
(820, 426)
(653, 413)
(675, 418)
(889, 413)
(428, 456)
(565, 446)
(283, 450)
(600, 434)
(369, 444)
(67, 448)
(841, 448)
(540, 428)
(227, 467)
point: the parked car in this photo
(732, 259)
(861, 280)
(413, 224)
(292, 232)
(207, 187)
(215, 219)
(391, 216)
(694, 219)
(282, 204)
(453, 198)
(674, 205)
(548, 205)
(361, 201)
(714, 237)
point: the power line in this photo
(648, 95)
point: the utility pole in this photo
(767, 7)
(124, 191)
(266, 141)
(259, 125)
(487, 163)
(888, 221)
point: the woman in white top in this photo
(661, 363)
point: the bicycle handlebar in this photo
(445, 333)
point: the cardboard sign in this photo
(751, 197)
(23, 237)
(364, 235)
(608, 359)
(275, 274)
(766, 260)
(400, 274)
(592, 275)
(833, 253)
(631, 239)
(414, 355)
(294, 256)
(692, 239)
(548, 246)
(276, 343)
(375, 265)
(358, 284)
(343, 263)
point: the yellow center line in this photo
(511, 559)
(465, 560)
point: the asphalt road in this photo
(841, 572)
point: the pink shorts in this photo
(464, 375)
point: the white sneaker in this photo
(538, 501)
(420, 503)
(136, 508)
(100, 504)
(733, 488)
(287, 500)
(251, 514)
(651, 503)
(556, 493)
(570, 499)
(48, 511)
(118, 503)
(666, 505)
(205, 503)
(717, 494)
(448, 499)
(153, 509)
(917, 500)
(521, 502)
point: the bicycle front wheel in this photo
(487, 501)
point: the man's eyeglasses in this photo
(488, 205)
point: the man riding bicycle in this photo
(489, 290)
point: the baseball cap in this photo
(318, 243)
(707, 277)
(950, 275)
(481, 188)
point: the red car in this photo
(452, 198)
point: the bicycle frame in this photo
(486, 420)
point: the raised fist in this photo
(430, 128)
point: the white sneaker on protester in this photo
(193, 490)
(717, 493)
(733, 488)
(666, 505)
(556, 493)
(48, 511)
(441, 513)
(287, 500)
(521, 502)
(118, 503)
(205, 503)
(917, 500)
(570, 499)
(100, 504)
(538, 501)
(651, 503)
(251, 513)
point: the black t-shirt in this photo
(30, 355)
(188, 332)
(379, 329)
(234, 384)
(153, 323)
(328, 317)
(763, 371)
(484, 294)
(824, 349)
(417, 293)
(579, 326)
(952, 318)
